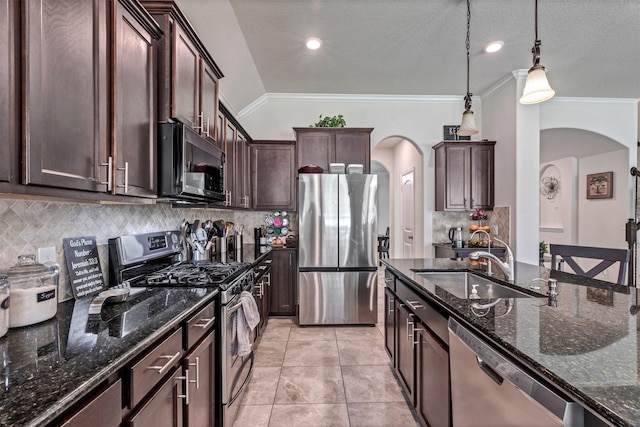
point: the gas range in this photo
(157, 259)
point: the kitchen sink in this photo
(467, 285)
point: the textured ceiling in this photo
(591, 48)
(417, 47)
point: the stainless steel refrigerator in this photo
(337, 276)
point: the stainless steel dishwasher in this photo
(488, 390)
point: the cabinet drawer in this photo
(426, 312)
(164, 408)
(389, 280)
(105, 409)
(154, 366)
(199, 324)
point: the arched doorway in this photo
(393, 157)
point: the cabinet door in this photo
(315, 148)
(104, 410)
(353, 147)
(433, 396)
(482, 184)
(390, 324)
(165, 407)
(230, 166)
(457, 178)
(65, 93)
(404, 349)
(242, 181)
(284, 283)
(273, 176)
(186, 78)
(8, 144)
(135, 107)
(209, 101)
(199, 369)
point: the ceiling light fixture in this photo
(313, 43)
(468, 126)
(536, 87)
(494, 46)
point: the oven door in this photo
(237, 369)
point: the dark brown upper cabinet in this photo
(88, 110)
(66, 86)
(235, 143)
(188, 86)
(9, 14)
(322, 146)
(134, 122)
(464, 175)
(273, 175)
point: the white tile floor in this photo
(324, 376)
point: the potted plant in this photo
(543, 250)
(330, 122)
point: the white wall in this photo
(384, 156)
(418, 119)
(602, 221)
(559, 216)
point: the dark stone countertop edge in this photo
(547, 375)
(84, 389)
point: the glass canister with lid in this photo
(4, 305)
(34, 291)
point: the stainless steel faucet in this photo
(488, 247)
(506, 266)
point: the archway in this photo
(393, 156)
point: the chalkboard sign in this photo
(83, 266)
(451, 133)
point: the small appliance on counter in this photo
(455, 235)
(34, 291)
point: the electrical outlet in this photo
(495, 230)
(47, 254)
(446, 228)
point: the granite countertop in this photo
(465, 245)
(48, 366)
(588, 344)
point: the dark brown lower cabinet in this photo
(165, 407)
(433, 403)
(405, 355)
(390, 324)
(198, 369)
(105, 409)
(284, 281)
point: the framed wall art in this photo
(600, 185)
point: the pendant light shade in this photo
(536, 87)
(468, 125)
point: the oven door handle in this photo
(233, 309)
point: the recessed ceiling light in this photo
(313, 43)
(494, 47)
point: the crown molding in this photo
(350, 98)
(592, 101)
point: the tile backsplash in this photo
(26, 225)
(498, 219)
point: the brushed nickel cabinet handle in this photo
(185, 378)
(163, 368)
(204, 323)
(109, 166)
(126, 177)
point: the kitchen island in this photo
(586, 343)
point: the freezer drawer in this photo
(338, 298)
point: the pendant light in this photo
(468, 126)
(536, 87)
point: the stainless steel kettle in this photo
(455, 235)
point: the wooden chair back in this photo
(608, 257)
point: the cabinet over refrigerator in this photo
(337, 278)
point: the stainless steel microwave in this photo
(190, 168)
